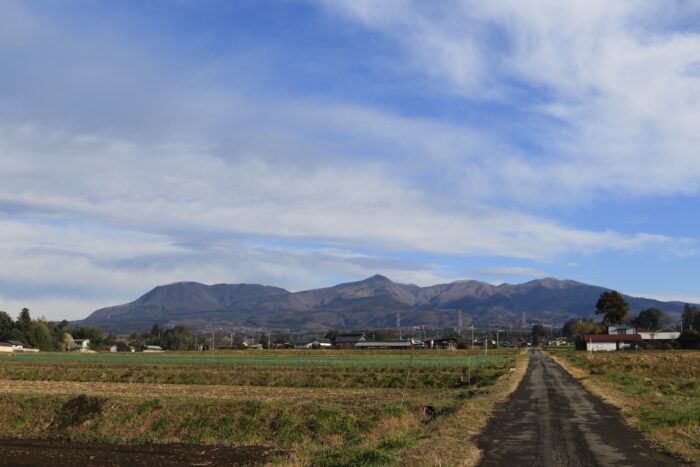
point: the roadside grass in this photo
(657, 391)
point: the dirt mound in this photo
(78, 409)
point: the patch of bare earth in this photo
(20, 452)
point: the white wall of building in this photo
(601, 346)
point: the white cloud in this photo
(614, 77)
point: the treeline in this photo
(40, 333)
(176, 338)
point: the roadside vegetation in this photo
(658, 392)
(321, 413)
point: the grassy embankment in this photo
(657, 391)
(313, 408)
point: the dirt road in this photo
(552, 420)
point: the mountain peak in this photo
(377, 278)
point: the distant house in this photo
(303, 345)
(609, 342)
(321, 343)
(17, 346)
(251, 343)
(391, 344)
(109, 348)
(446, 343)
(81, 345)
(558, 342)
(348, 340)
(6, 347)
(152, 348)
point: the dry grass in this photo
(656, 391)
(341, 396)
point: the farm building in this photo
(392, 344)
(447, 343)
(348, 340)
(558, 342)
(12, 346)
(609, 342)
(321, 343)
(81, 344)
(660, 335)
(302, 345)
(152, 348)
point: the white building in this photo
(660, 335)
(610, 342)
(81, 344)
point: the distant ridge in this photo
(367, 304)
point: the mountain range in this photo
(373, 303)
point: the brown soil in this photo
(17, 452)
(75, 411)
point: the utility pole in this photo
(398, 322)
(497, 331)
(459, 322)
(472, 328)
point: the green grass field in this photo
(282, 358)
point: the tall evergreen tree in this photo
(613, 306)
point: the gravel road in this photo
(552, 420)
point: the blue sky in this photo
(305, 143)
